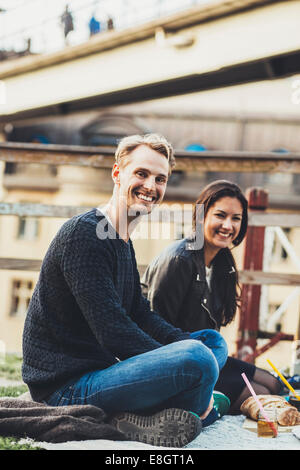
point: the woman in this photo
(197, 288)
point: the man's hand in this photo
(210, 407)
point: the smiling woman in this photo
(196, 289)
(222, 226)
(224, 209)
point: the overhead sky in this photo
(40, 19)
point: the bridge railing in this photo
(253, 275)
(46, 34)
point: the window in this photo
(21, 295)
(28, 228)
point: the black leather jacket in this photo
(175, 284)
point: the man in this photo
(90, 336)
(67, 22)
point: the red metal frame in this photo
(250, 294)
(274, 340)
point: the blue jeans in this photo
(179, 375)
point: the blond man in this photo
(90, 336)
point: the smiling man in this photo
(140, 175)
(90, 336)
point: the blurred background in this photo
(210, 75)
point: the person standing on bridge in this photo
(90, 336)
(94, 25)
(67, 22)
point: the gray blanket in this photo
(22, 418)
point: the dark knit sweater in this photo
(87, 311)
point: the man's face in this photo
(142, 181)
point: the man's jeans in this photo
(179, 375)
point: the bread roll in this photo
(287, 415)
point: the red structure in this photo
(248, 331)
(250, 295)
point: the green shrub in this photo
(13, 391)
(10, 367)
(11, 443)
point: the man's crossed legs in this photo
(180, 376)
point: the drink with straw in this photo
(263, 427)
(260, 406)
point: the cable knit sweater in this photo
(87, 311)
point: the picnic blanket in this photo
(228, 433)
(84, 428)
(20, 418)
(225, 434)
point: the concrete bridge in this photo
(206, 47)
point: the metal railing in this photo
(46, 33)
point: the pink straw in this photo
(259, 404)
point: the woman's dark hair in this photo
(225, 274)
(217, 190)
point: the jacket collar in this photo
(198, 255)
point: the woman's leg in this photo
(266, 379)
(181, 375)
(263, 383)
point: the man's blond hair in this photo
(155, 141)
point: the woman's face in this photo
(222, 223)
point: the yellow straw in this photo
(283, 380)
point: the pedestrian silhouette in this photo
(67, 22)
(94, 26)
(110, 23)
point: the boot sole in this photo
(172, 427)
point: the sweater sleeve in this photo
(155, 325)
(87, 264)
(151, 322)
